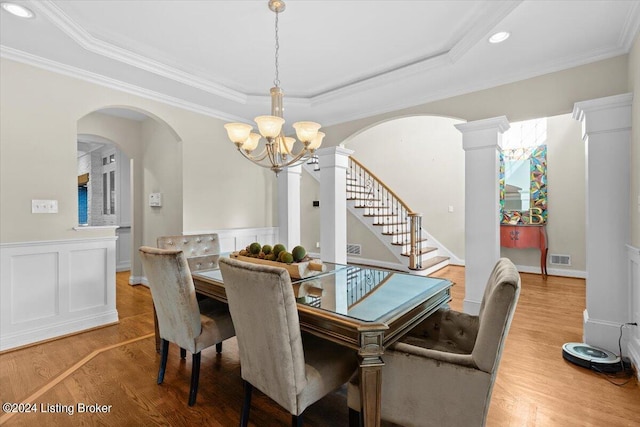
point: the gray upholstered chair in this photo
(292, 368)
(442, 372)
(183, 320)
(202, 250)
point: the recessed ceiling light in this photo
(17, 10)
(499, 37)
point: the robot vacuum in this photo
(590, 357)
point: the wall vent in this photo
(560, 259)
(353, 249)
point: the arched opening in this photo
(129, 154)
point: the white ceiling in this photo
(339, 60)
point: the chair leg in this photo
(246, 404)
(219, 347)
(164, 353)
(354, 418)
(195, 375)
(296, 421)
(183, 353)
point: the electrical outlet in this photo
(317, 244)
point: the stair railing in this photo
(387, 209)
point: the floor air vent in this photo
(354, 249)
(560, 259)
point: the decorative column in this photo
(481, 141)
(333, 162)
(289, 206)
(606, 132)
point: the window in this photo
(109, 184)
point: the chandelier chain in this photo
(276, 81)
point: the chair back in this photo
(174, 295)
(496, 312)
(265, 317)
(201, 250)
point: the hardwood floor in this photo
(115, 367)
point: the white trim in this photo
(54, 288)
(578, 274)
(108, 50)
(46, 332)
(96, 227)
(633, 332)
(57, 242)
(77, 73)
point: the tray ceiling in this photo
(339, 60)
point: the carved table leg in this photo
(370, 372)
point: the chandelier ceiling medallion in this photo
(278, 151)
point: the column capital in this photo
(483, 133)
(500, 124)
(611, 113)
(334, 157)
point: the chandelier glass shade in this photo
(278, 151)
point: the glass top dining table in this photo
(364, 308)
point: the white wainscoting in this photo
(633, 332)
(234, 239)
(54, 288)
(123, 248)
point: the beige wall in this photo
(39, 125)
(634, 86)
(162, 174)
(566, 196)
(38, 132)
(545, 96)
(421, 159)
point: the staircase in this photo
(391, 220)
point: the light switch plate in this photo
(44, 206)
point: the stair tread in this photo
(430, 262)
(408, 242)
(422, 251)
(395, 233)
(391, 223)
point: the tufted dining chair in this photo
(442, 372)
(183, 320)
(292, 368)
(202, 250)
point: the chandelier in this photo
(278, 150)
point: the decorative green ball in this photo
(255, 248)
(298, 253)
(277, 249)
(266, 249)
(286, 258)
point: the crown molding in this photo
(78, 34)
(631, 28)
(57, 67)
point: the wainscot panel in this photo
(53, 288)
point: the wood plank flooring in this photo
(116, 367)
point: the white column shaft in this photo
(481, 141)
(606, 124)
(333, 162)
(289, 206)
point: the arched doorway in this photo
(145, 155)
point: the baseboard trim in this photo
(48, 332)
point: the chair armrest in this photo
(441, 356)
